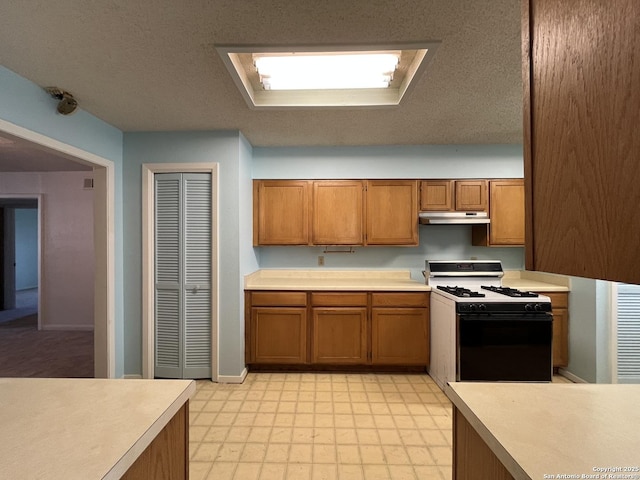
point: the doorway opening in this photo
(103, 235)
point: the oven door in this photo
(504, 347)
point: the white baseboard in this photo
(76, 328)
(571, 376)
(132, 376)
(233, 378)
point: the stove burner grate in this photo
(510, 292)
(460, 291)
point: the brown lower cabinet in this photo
(340, 336)
(337, 328)
(560, 312)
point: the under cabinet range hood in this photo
(453, 218)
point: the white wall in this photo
(67, 235)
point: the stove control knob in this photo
(537, 307)
(528, 307)
(472, 307)
(482, 307)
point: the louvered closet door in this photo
(183, 275)
(628, 327)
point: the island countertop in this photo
(555, 429)
(355, 280)
(83, 429)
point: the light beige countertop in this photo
(536, 281)
(85, 429)
(555, 429)
(320, 279)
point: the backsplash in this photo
(437, 242)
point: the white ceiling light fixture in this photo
(323, 76)
(326, 71)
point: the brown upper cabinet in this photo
(392, 212)
(338, 212)
(335, 212)
(281, 212)
(581, 142)
(506, 211)
(452, 195)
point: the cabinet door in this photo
(278, 335)
(560, 337)
(337, 213)
(339, 336)
(281, 212)
(560, 311)
(506, 207)
(392, 212)
(471, 195)
(436, 195)
(506, 210)
(400, 336)
(581, 142)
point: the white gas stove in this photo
(481, 331)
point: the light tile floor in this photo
(312, 426)
(308, 426)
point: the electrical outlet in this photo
(320, 260)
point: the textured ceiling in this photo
(152, 65)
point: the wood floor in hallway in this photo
(26, 351)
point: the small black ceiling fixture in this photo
(67, 104)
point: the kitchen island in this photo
(88, 429)
(529, 431)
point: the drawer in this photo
(339, 299)
(278, 299)
(558, 300)
(400, 299)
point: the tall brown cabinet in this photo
(581, 72)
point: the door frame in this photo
(38, 198)
(104, 239)
(148, 259)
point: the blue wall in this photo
(25, 104)
(416, 161)
(26, 221)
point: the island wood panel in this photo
(167, 457)
(581, 142)
(472, 458)
(338, 212)
(340, 335)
